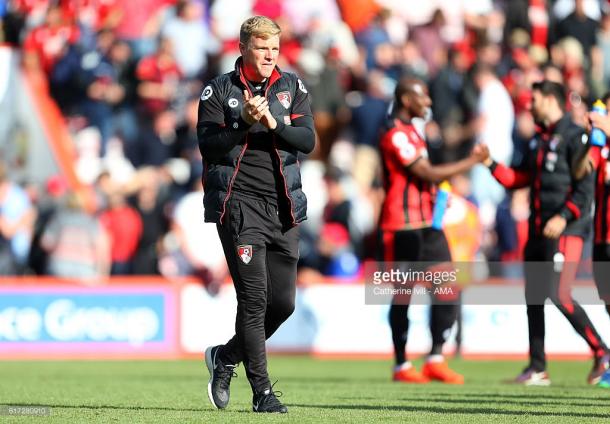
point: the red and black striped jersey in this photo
(602, 193)
(409, 200)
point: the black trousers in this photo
(422, 245)
(262, 256)
(552, 277)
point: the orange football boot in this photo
(440, 371)
(407, 373)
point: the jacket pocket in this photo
(236, 219)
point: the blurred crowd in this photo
(127, 76)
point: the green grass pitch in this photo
(315, 391)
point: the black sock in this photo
(442, 317)
(399, 323)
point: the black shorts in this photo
(551, 266)
(422, 245)
(419, 250)
(601, 270)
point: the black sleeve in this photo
(216, 137)
(578, 144)
(578, 202)
(301, 134)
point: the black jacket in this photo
(223, 137)
(547, 170)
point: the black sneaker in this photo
(220, 378)
(267, 401)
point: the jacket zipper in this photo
(271, 82)
(279, 159)
(241, 155)
(224, 203)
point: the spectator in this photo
(93, 15)
(451, 106)
(601, 57)
(532, 16)
(511, 226)
(273, 9)
(124, 227)
(17, 217)
(101, 87)
(562, 8)
(124, 118)
(495, 128)
(149, 202)
(370, 108)
(337, 258)
(156, 141)
(338, 208)
(159, 76)
(225, 21)
(191, 38)
(334, 39)
(578, 25)
(45, 44)
(64, 81)
(76, 242)
(187, 146)
(140, 24)
(329, 110)
(374, 36)
(56, 188)
(300, 13)
(429, 35)
(347, 207)
(193, 247)
(292, 46)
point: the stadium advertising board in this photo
(319, 326)
(126, 318)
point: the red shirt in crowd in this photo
(49, 43)
(28, 6)
(124, 226)
(153, 69)
(93, 13)
(136, 16)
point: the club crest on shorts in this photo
(245, 253)
(284, 98)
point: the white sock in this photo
(435, 358)
(404, 366)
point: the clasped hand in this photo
(256, 109)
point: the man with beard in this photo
(559, 220)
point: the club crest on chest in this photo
(284, 98)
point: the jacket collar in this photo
(558, 127)
(239, 63)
